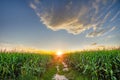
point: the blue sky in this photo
(60, 24)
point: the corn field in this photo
(22, 66)
(96, 65)
(91, 65)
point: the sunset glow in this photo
(59, 53)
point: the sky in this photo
(59, 24)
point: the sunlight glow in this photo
(59, 53)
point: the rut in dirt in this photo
(57, 76)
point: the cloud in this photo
(97, 46)
(96, 33)
(99, 32)
(32, 6)
(37, 1)
(115, 16)
(113, 28)
(16, 47)
(74, 16)
(108, 37)
(94, 44)
(101, 46)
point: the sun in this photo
(59, 53)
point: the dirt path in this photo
(59, 70)
(57, 76)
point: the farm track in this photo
(59, 70)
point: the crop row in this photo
(97, 65)
(17, 66)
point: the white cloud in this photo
(32, 6)
(109, 36)
(106, 17)
(99, 32)
(115, 16)
(96, 33)
(69, 5)
(74, 17)
(96, 7)
(16, 47)
(113, 28)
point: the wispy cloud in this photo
(32, 6)
(94, 43)
(99, 32)
(96, 33)
(108, 37)
(16, 47)
(113, 28)
(101, 46)
(74, 16)
(115, 16)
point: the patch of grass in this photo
(74, 75)
(50, 72)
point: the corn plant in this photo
(98, 65)
(14, 65)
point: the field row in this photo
(97, 65)
(23, 66)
